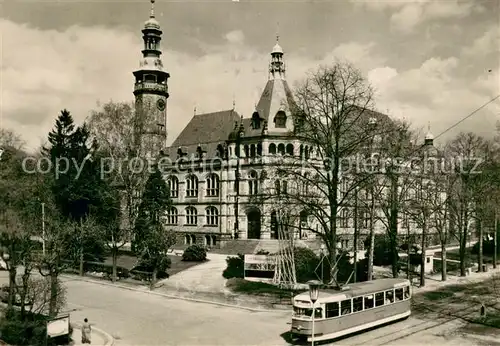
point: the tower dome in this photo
(277, 49)
(152, 23)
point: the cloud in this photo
(485, 44)
(235, 37)
(407, 15)
(76, 67)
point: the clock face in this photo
(161, 105)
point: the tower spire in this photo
(152, 14)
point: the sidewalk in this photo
(434, 282)
(98, 336)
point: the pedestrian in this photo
(86, 330)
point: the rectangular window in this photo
(379, 299)
(369, 302)
(332, 310)
(399, 294)
(389, 296)
(357, 304)
(346, 307)
(407, 292)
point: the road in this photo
(137, 318)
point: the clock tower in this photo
(151, 91)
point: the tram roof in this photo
(356, 289)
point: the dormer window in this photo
(180, 153)
(255, 121)
(280, 120)
(220, 151)
(199, 152)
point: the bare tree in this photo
(332, 112)
(124, 147)
(464, 153)
(9, 138)
(396, 176)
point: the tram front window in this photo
(301, 312)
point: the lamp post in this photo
(313, 295)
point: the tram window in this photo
(357, 304)
(332, 309)
(379, 299)
(389, 297)
(345, 307)
(318, 313)
(368, 302)
(399, 294)
(407, 292)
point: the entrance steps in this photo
(237, 246)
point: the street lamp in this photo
(313, 295)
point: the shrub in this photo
(195, 253)
(99, 267)
(144, 270)
(488, 248)
(306, 262)
(235, 267)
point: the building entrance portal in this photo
(253, 227)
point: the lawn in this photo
(127, 260)
(243, 286)
(451, 267)
(463, 302)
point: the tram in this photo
(352, 309)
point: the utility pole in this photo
(43, 228)
(355, 267)
(495, 241)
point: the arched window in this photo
(173, 186)
(255, 120)
(172, 216)
(187, 239)
(344, 218)
(306, 152)
(301, 151)
(253, 183)
(253, 150)
(281, 149)
(272, 149)
(208, 240)
(259, 149)
(277, 187)
(213, 185)
(280, 119)
(247, 150)
(289, 149)
(212, 215)
(193, 239)
(192, 186)
(214, 240)
(191, 216)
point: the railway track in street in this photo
(447, 317)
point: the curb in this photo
(110, 341)
(171, 296)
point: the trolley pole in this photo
(43, 228)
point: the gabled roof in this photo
(208, 130)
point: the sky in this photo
(430, 62)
